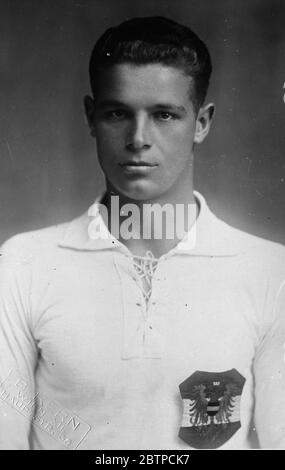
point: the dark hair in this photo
(154, 40)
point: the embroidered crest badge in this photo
(211, 408)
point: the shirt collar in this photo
(209, 236)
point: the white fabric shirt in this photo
(84, 364)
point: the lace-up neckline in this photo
(145, 267)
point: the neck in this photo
(155, 224)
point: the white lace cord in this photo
(145, 267)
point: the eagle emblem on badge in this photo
(211, 408)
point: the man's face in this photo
(144, 124)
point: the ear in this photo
(203, 122)
(89, 108)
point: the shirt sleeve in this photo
(269, 372)
(18, 352)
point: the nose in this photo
(139, 134)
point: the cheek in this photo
(177, 144)
(177, 147)
(179, 136)
(108, 143)
(107, 134)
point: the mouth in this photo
(138, 168)
(131, 163)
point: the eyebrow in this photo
(170, 106)
(116, 103)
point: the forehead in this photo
(146, 84)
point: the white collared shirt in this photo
(196, 367)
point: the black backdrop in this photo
(48, 167)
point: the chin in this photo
(138, 191)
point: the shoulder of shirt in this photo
(216, 238)
(250, 245)
(24, 245)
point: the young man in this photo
(111, 341)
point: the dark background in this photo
(48, 166)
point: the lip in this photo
(138, 168)
(140, 163)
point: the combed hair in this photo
(150, 40)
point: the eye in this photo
(116, 115)
(165, 116)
